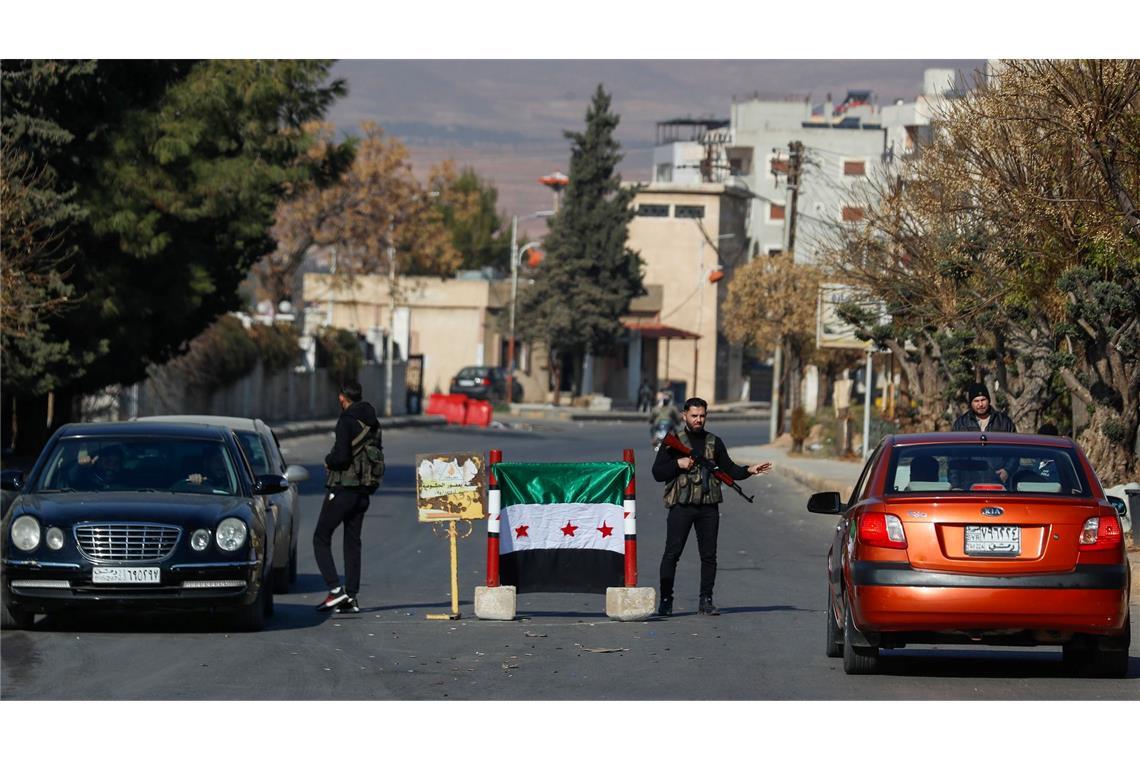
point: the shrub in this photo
(277, 345)
(339, 350)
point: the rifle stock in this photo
(672, 441)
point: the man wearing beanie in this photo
(982, 417)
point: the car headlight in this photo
(231, 534)
(200, 540)
(26, 532)
(54, 538)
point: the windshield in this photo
(139, 464)
(1040, 470)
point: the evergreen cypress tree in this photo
(588, 276)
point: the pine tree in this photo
(588, 276)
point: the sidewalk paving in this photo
(318, 427)
(816, 473)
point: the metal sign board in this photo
(451, 487)
(833, 332)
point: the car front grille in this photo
(126, 542)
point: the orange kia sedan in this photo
(976, 538)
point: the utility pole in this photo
(795, 167)
(794, 173)
(391, 323)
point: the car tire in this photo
(857, 660)
(267, 600)
(293, 565)
(834, 632)
(17, 620)
(1101, 657)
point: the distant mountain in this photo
(507, 118)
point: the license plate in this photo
(125, 575)
(993, 540)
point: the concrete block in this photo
(495, 603)
(631, 604)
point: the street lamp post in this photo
(515, 255)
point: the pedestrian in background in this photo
(350, 480)
(644, 396)
(693, 498)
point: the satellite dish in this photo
(285, 307)
(264, 307)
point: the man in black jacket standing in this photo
(346, 500)
(982, 417)
(693, 497)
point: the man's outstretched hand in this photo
(759, 469)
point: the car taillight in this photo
(1101, 533)
(882, 530)
(486, 381)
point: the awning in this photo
(658, 330)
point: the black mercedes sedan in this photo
(139, 516)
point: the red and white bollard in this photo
(494, 502)
(493, 601)
(630, 509)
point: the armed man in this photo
(355, 467)
(693, 473)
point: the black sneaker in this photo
(335, 597)
(707, 607)
(348, 605)
(665, 608)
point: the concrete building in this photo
(452, 323)
(845, 145)
(692, 238)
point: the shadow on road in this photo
(974, 664)
(285, 617)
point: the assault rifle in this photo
(673, 442)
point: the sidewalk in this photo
(813, 472)
(318, 427)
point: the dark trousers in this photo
(705, 518)
(348, 508)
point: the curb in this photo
(318, 427)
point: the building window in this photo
(689, 212)
(852, 214)
(652, 209)
(775, 212)
(855, 168)
(664, 172)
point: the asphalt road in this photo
(767, 644)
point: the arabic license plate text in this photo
(125, 575)
(993, 540)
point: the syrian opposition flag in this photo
(561, 525)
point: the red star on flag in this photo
(605, 529)
(521, 531)
(568, 529)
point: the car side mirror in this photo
(11, 480)
(270, 484)
(1119, 505)
(825, 503)
(296, 473)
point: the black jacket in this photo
(1000, 422)
(347, 428)
(665, 465)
